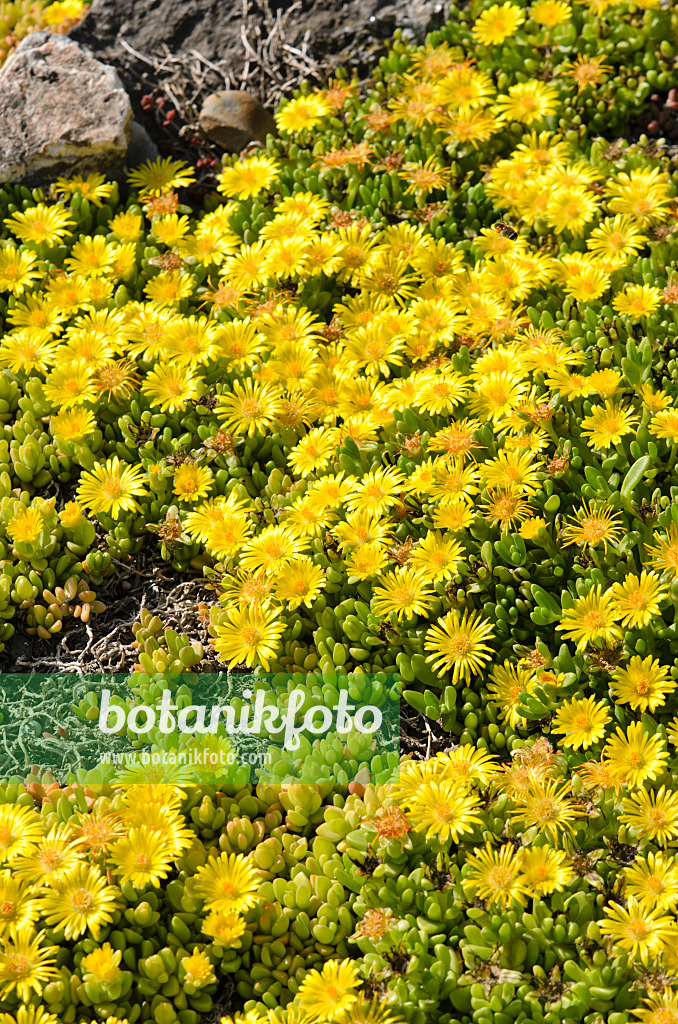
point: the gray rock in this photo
(233, 119)
(141, 146)
(61, 112)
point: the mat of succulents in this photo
(226, 728)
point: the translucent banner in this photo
(226, 729)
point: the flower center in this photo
(81, 900)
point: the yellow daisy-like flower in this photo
(25, 963)
(593, 617)
(638, 599)
(644, 684)
(170, 387)
(112, 487)
(16, 269)
(94, 187)
(652, 881)
(665, 424)
(608, 423)
(635, 928)
(665, 552)
(228, 883)
(156, 177)
(652, 814)
(528, 102)
(637, 300)
(458, 643)
(550, 13)
(591, 526)
(79, 900)
(582, 722)
(299, 582)
(546, 808)
(635, 756)
(498, 23)
(40, 224)
(224, 928)
(443, 809)
(249, 636)
(102, 963)
(192, 482)
(72, 425)
(91, 257)
(70, 385)
(323, 994)
(404, 592)
(529, 530)
(302, 113)
(248, 177)
(250, 407)
(142, 857)
(509, 682)
(20, 832)
(495, 876)
(545, 870)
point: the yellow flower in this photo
(40, 224)
(528, 102)
(192, 482)
(665, 552)
(653, 815)
(550, 13)
(224, 928)
(63, 10)
(634, 928)
(248, 177)
(156, 177)
(197, 970)
(498, 23)
(249, 636)
(79, 900)
(302, 113)
(545, 870)
(592, 617)
(637, 300)
(638, 599)
(608, 424)
(94, 187)
(635, 756)
(592, 526)
(142, 857)
(16, 269)
(102, 963)
(228, 883)
(24, 963)
(495, 876)
(508, 684)
(112, 487)
(458, 644)
(644, 684)
(25, 526)
(443, 809)
(323, 994)
(91, 257)
(582, 722)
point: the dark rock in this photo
(141, 146)
(233, 119)
(336, 32)
(61, 112)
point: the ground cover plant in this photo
(404, 390)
